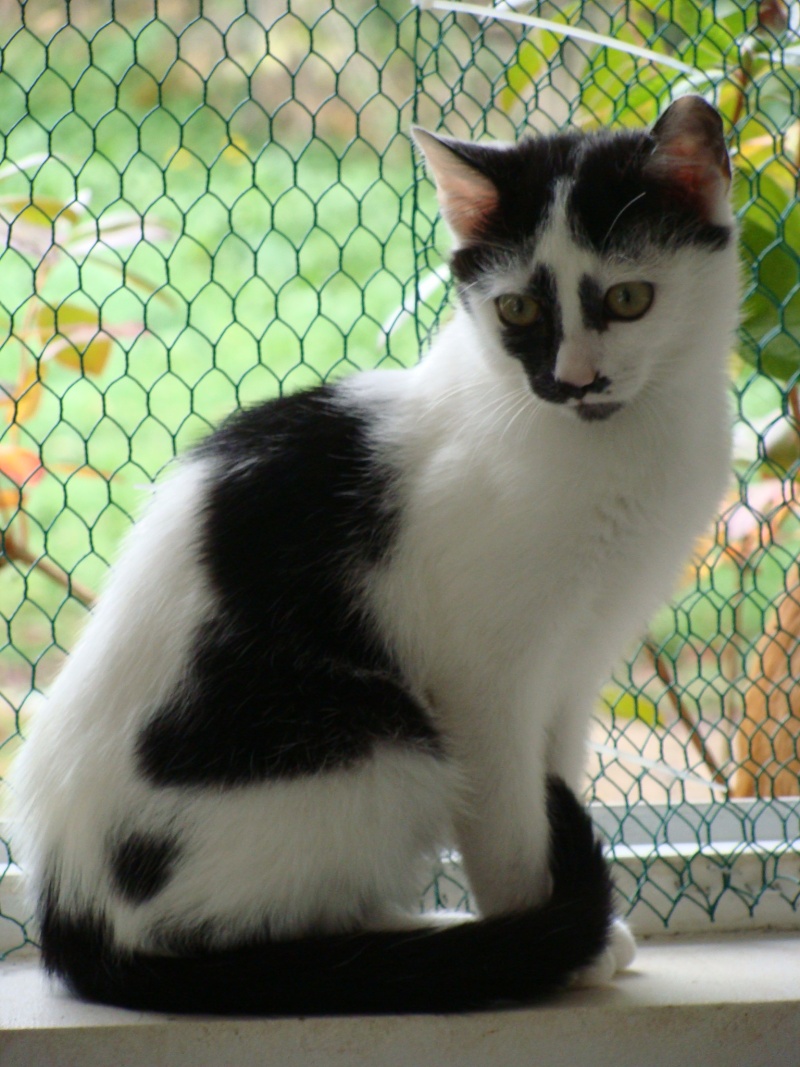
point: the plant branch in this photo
(683, 714)
(794, 404)
(13, 551)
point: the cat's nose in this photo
(574, 367)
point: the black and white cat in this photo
(368, 621)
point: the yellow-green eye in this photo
(628, 300)
(518, 309)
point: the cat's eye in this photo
(518, 309)
(628, 300)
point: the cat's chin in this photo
(596, 412)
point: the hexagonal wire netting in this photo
(208, 203)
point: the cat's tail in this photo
(518, 958)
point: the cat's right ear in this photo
(690, 152)
(467, 197)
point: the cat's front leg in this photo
(503, 832)
(566, 759)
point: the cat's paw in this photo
(615, 957)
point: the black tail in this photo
(517, 958)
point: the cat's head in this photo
(593, 260)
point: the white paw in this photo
(617, 956)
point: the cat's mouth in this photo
(596, 411)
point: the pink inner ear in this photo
(467, 203)
(467, 197)
(694, 173)
(690, 152)
(690, 167)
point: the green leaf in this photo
(533, 56)
(770, 241)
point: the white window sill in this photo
(724, 1000)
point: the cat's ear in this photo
(690, 152)
(467, 197)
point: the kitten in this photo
(370, 620)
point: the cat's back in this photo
(262, 528)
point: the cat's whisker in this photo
(618, 216)
(524, 406)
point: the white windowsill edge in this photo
(731, 1000)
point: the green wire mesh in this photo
(204, 204)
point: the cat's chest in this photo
(487, 556)
(528, 517)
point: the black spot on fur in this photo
(536, 346)
(525, 175)
(141, 865)
(617, 204)
(592, 301)
(299, 496)
(251, 716)
(510, 959)
(71, 945)
(290, 678)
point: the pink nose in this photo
(574, 367)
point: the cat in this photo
(370, 620)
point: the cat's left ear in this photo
(467, 197)
(691, 153)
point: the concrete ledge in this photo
(724, 1001)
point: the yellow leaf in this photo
(9, 499)
(39, 211)
(28, 393)
(624, 704)
(237, 152)
(27, 403)
(89, 360)
(23, 468)
(73, 337)
(183, 158)
(64, 319)
(20, 465)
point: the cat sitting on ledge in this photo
(369, 621)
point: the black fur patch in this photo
(71, 946)
(536, 346)
(613, 202)
(525, 175)
(592, 301)
(252, 715)
(141, 865)
(290, 678)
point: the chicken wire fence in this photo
(204, 204)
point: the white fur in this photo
(75, 775)
(533, 547)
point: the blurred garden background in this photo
(204, 203)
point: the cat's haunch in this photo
(369, 621)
